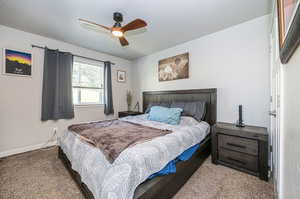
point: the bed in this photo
(161, 186)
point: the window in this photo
(87, 83)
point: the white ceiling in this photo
(170, 22)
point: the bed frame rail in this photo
(160, 187)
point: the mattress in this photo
(134, 165)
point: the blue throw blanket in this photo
(171, 166)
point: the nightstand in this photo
(128, 113)
(244, 149)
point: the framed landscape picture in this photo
(121, 76)
(174, 68)
(288, 27)
(17, 63)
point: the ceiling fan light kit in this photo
(117, 30)
(117, 33)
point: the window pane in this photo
(76, 75)
(91, 96)
(91, 76)
(87, 75)
(76, 96)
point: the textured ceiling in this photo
(170, 22)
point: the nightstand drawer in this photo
(238, 144)
(240, 160)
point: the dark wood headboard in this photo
(207, 95)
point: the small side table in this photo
(244, 149)
(128, 113)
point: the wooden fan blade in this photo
(123, 41)
(90, 23)
(135, 24)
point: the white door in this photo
(275, 105)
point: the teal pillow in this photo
(165, 115)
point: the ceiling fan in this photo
(117, 30)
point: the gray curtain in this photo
(108, 98)
(57, 102)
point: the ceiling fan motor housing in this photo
(118, 17)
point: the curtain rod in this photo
(35, 46)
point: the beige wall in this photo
(20, 98)
(234, 60)
(290, 136)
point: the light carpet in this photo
(41, 175)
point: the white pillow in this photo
(188, 121)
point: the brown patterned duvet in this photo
(114, 136)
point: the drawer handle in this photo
(236, 145)
(237, 161)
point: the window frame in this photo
(93, 63)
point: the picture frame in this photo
(174, 68)
(17, 62)
(121, 76)
(288, 27)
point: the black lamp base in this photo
(240, 124)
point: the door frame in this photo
(275, 103)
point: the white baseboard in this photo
(26, 149)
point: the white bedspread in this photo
(134, 165)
